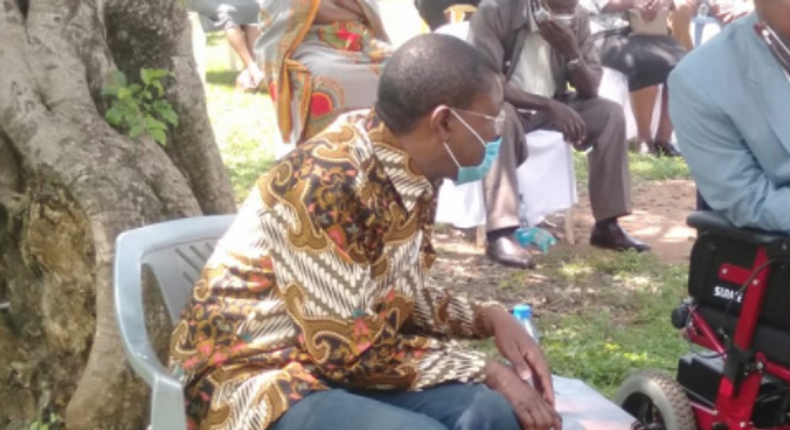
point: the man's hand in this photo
(330, 11)
(532, 411)
(568, 122)
(518, 347)
(649, 9)
(560, 38)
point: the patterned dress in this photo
(321, 281)
(316, 72)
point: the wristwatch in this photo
(574, 64)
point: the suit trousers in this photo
(609, 177)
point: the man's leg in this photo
(501, 196)
(610, 179)
(457, 406)
(340, 410)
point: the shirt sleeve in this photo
(487, 32)
(587, 43)
(726, 172)
(438, 311)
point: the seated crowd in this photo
(316, 310)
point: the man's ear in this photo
(440, 122)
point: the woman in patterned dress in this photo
(321, 58)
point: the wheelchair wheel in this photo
(657, 401)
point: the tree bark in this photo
(69, 184)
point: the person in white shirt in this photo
(542, 48)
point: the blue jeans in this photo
(445, 407)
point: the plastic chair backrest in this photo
(176, 252)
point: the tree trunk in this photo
(69, 184)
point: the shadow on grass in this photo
(225, 78)
(621, 326)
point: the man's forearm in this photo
(523, 100)
(585, 80)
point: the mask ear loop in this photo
(450, 151)
(469, 127)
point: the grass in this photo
(626, 329)
(619, 322)
(243, 123)
(644, 168)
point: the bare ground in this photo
(660, 211)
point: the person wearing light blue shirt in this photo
(730, 103)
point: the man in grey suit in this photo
(730, 103)
(542, 47)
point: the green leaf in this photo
(159, 136)
(159, 88)
(137, 130)
(124, 93)
(114, 115)
(147, 95)
(118, 78)
(111, 90)
(157, 74)
(145, 75)
(154, 124)
(166, 112)
(135, 88)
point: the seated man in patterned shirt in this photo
(316, 312)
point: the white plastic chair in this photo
(175, 251)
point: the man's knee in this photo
(604, 113)
(488, 410)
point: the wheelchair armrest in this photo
(708, 221)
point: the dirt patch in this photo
(659, 219)
(660, 211)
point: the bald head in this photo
(430, 71)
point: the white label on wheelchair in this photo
(727, 294)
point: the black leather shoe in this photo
(612, 236)
(664, 149)
(507, 252)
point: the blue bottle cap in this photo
(522, 312)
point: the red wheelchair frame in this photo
(730, 389)
(734, 407)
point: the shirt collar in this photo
(410, 184)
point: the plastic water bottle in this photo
(534, 236)
(523, 314)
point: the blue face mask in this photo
(467, 174)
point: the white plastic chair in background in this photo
(614, 86)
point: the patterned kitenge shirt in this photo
(321, 281)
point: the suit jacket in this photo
(730, 104)
(500, 27)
